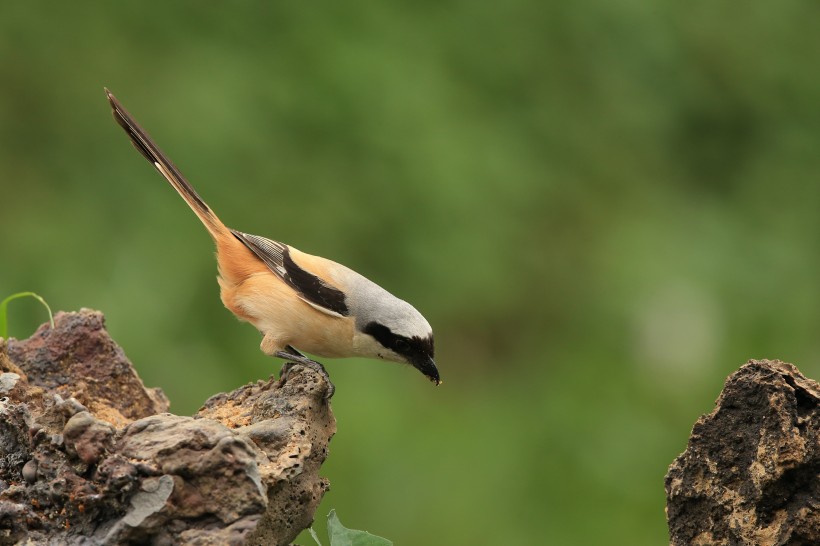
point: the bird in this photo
(297, 301)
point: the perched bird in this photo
(299, 302)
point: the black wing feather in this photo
(310, 287)
(270, 252)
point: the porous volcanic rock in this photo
(90, 456)
(751, 471)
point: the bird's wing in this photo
(310, 288)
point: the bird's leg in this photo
(292, 356)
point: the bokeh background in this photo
(604, 208)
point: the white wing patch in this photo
(324, 310)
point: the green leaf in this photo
(315, 536)
(4, 324)
(340, 536)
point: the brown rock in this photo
(79, 359)
(88, 456)
(751, 471)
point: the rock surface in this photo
(88, 455)
(751, 471)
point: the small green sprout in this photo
(4, 324)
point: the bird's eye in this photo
(401, 346)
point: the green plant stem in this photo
(4, 310)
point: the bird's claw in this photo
(292, 359)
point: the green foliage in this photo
(4, 331)
(342, 536)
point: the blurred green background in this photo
(603, 208)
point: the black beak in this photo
(427, 366)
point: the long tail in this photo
(143, 143)
(236, 262)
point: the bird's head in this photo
(416, 349)
(407, 341)
(391, 329)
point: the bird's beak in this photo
(427, 366)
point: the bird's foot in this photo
(292, 357)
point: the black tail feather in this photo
(143, 143)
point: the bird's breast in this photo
(276, 310)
